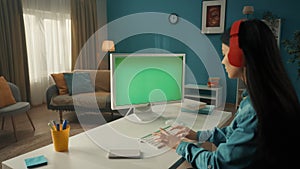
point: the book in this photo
(208, 109)
(193, 105)
(36, 161)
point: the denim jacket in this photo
(236, 143)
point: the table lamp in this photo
(247, 10)
(108, 46)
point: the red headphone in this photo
(235, 54)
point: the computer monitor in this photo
(141, 80)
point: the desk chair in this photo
(18, 107)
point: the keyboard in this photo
(150, 138)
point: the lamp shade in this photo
(248, 10)
(108, 46)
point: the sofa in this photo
(97, 99)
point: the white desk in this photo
(85, 152)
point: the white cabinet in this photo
(203, 93)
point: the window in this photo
(48, 41)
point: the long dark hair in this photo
(271, 92)
(272, 95)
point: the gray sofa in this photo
(83, 101)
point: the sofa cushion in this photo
(78, 82)
(6, 96)
(102, 98)
(82, 83)
(98, 99)
(60, 83)
(62, 100)
(100, 79)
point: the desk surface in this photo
(89, 149)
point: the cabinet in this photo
(240, 86)
(203, 93)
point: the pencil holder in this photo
(60, 139)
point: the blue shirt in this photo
(236, 143)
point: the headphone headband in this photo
(235, 55)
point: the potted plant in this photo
(274, 23)
(293, 48)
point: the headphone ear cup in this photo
(235, 55)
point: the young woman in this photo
(264, 130)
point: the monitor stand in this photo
(144, 114)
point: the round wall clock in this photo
(173, 18)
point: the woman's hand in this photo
(185, 132)
(167, 138)
(173, 140)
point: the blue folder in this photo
(36, 161)
(206, 110)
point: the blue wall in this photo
(191, 11)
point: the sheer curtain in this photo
(48, 40)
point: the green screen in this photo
(147, 79)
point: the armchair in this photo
(18, 107)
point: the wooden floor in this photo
(40, 116)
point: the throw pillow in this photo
(79, 83)
(6, 96)
(102, 81)
(68, 78)
(82, 83)
(60, 83)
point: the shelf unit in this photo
(210, 95)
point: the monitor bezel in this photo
(112, 83)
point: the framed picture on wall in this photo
(213, 16)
